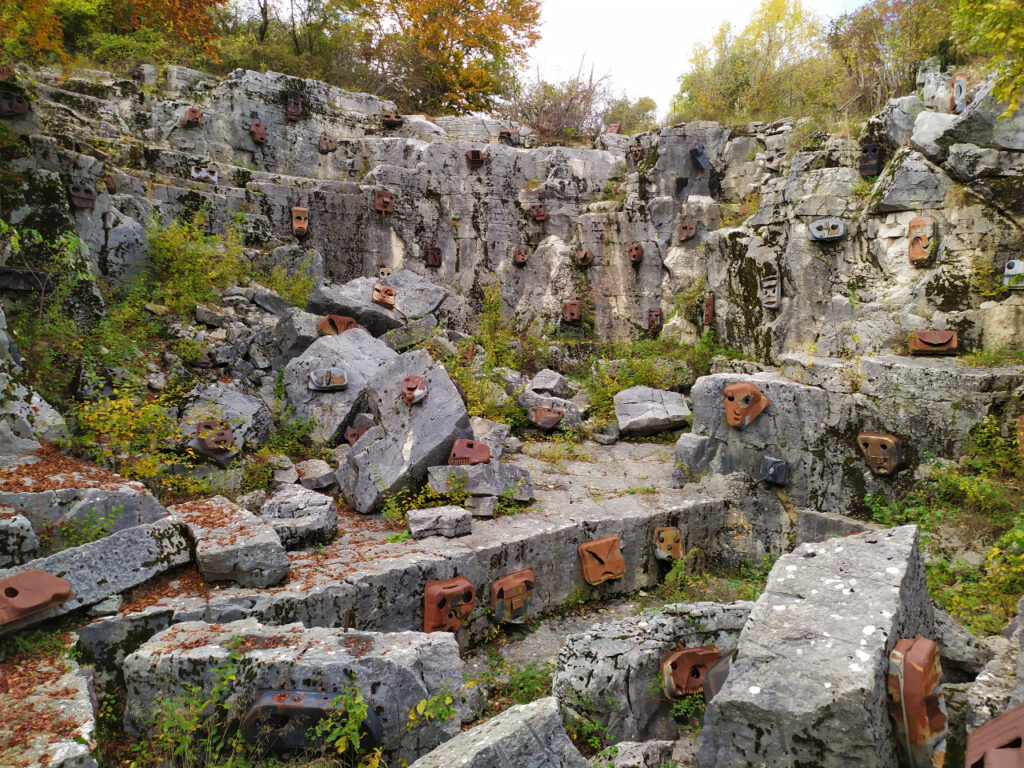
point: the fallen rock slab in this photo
(416, 297)
(807, 686)
(394, 672)
(647, 411)
(407, 439)
(233, 544)
(109, 566)
(248, 417)
(449, 521)
(362, 357)
(490, 479)
(301, 517)
(610, 674)
(525, 735)
(47, 714)
(18, 541)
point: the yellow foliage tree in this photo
(778, 65)
(996, 28)
(453, 55)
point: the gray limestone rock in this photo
(446, 521)
(928, 128)
(525, 735)
(633, 754)
(233, 544)
(549, 382)
(18, 541)
(912, 183)
(481, 506)
(818, 409)
(301, 517)
(104, 644)
(407, 439)
(248, 416)
(963, 655)
(414, 333)
(393, 671)
(109, 566)
(573, 418)
(416, 297)
(363, 359)
(990, 693)
(611, 673)
(490, 432)
(53, 724)
(293, 335)
(799, 697)
(315, 474)
(647, 411)
(490, 479)
(895, 123)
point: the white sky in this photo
(644, 45)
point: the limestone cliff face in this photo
(859, 294)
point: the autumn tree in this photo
(881, 45)
(632, 116)
(560, 112)
(778, 64)
(996, 28)
(29, 30)
(445, 55)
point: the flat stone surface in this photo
(807, 686)
(647, 411)
(394, 672)
(47, 714)
(109, 566)
(525, 735)
(490, 479)
(232, 543)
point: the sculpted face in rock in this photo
(511, 597)
(446, 603)
(668, 543)
(683, 670)
(884, 453)
(601, 560)
(743, 404)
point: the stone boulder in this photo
(611, 673)
(448, 521)
(362, 357)
(490, 479)
(819, 407)
(109, 566)
(248, 416)
(407, 439)
(233, 544)
(293, 334)
(492, 433)
(807, 686)
(50, 721)
(525, 735)
(18, 540)
(549, 382)
(393, 671)
(573, 418)
(301, 517)
(647, 411)
(416, 298)
(911, 183)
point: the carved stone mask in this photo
(743, 404)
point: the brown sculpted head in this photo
(683, 670)
(446, 603)
(601, 560)
(743, 403)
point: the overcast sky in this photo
(644, 45)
